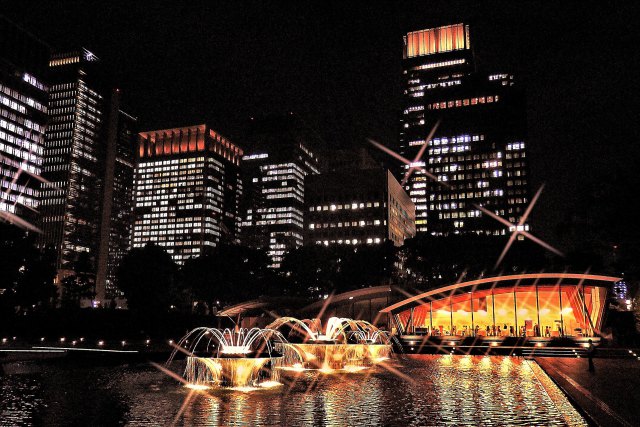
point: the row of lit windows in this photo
(34, 82)
(35, 130)
(20, 165)
(353, 206)
(515, 146)
(368, 240)
(468, 157)
(361, 223)
(462, 102)
(20, 99)
(438, 64)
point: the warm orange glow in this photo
(543, 308)
(186, 140)
(558, 276)
(436, 40)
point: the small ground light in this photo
(81, 339)
(14, 338)
(74, 342)
(147, 342)
(62, 339)
(170, 341)
(42, 339)
(123, 343)
(4, 340)
(412, 348)
(100, 342)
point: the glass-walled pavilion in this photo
(526, 305)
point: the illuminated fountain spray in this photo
(238, 358)
(343, 345)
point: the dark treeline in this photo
(229, 274)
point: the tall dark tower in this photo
(117, 199)
(73, 160)
(477, 152)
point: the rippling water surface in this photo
(413, 390)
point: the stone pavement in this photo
(610, 396)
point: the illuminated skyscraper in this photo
(278, 158)
(478, 151)
(23, 118)
(73, 160)
(187, 190)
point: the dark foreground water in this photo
(428, 390)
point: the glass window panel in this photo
(549, 303)
(504, 311)
(526, 310)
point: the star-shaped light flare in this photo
(498, 218)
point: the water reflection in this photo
(447, 390)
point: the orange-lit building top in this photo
(187, 139)
(436, 40)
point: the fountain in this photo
(344, 344)
(241, 358)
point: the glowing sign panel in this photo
(437, 40)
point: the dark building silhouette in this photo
(187, 190)
(279, 157)
(23, 118)
(477, 153)
(117, 201)
(357, 207)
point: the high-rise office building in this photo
(187, 190)
(73, 160)
(278, 159)
(477, 152)
(117, 201)
(23, 118)
(357, 207)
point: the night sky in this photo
(337, 65)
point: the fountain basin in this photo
(237, 372)
(333, 356)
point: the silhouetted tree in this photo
(228, 274)
(432, 261)
(147, 276)
(317, 270)
(26, 282)
(80, 285)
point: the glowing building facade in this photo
(526, 305)
(73, 159)
(477, 153)
(278, 160)
(357, 207)
(187, 190)
(23, 118)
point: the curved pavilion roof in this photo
(500, 282)
(349, 296)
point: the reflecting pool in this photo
(418, 390)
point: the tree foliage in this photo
(317, 270)
(147, 276)
(26, 282)
(228, 274)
